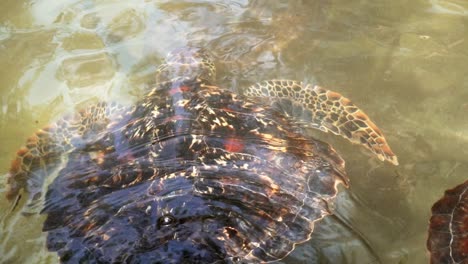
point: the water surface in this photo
(403, 62)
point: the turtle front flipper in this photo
(316, 107)
(45, 151)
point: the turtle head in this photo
(203, 214)
(179, 220)
(184, 229)
(187, 63)
(169, 223)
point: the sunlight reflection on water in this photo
(404, 63)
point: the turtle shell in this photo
(191, 174)
(448, 229)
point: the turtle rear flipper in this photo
(44, 152)
(316, 107)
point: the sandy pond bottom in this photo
(403, 63)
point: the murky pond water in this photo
(403, 62)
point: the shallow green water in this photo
(404, 63)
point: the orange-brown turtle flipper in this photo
(33, 163)
(316, 107)
(44, 152)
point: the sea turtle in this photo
(192, 173)
(448, 229)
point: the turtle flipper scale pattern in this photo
(316, 107)
(44, 151)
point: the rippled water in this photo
(403, 62)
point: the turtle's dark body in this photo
(192, 173)
(109, 204)
(448, 229)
